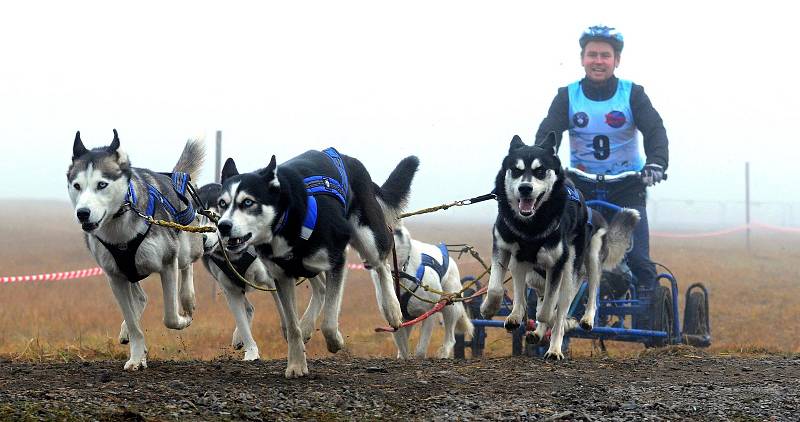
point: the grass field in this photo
(755, 296)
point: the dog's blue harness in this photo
(180, 181)
(432, 263)
(125, 253)
(321, 185)
(573, 195)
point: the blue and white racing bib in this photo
(602, 134)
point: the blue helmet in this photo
(602, 33)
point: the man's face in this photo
(599, 61)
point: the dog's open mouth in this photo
(92, 226)
(237, 242)
(528, 206)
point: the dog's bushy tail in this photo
(192, 158)
(617, 239)
(393, 194)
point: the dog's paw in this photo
(393, 314)
(532, 339)
(251, 354)
(335, 342)
(512, 322)
(537, 336)
(296, 370)
(307, 330)
(554, 355)
(136, 363)
(178, 322)
(489, 309)
(236, 340)
(444, 353)
(188, 306)
(123, 334)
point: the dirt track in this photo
(671, 385)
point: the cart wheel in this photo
(696, 326)
(662, 316)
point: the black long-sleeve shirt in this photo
(646, 118)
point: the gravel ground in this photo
(670, 384)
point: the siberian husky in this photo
(248, 265)
(433, 267)
(543, 224)
(300, 216)
(104, 188)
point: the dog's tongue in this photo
(526, 205)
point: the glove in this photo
(652, 174)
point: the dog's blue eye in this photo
(222, 204)
(247, 203)
(101, 185)
(515, 172)
(77, 186)
(540, 173)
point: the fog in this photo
(449, 81)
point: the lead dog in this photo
(248, 265)
(103, 187)
(433, 267)
(300, 216)
(543, 223)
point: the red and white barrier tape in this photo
(89, 272)
(723, 232)
(67, 275)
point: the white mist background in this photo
(448, 81)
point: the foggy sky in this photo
(450, 82)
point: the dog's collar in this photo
(130, 200)
(282, 222)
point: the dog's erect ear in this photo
(77, 147)
(228, 170)
(122, 157)
(550, 142)
(269, 175)
(516, 143)
(114, 143)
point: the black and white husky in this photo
(300, 216)
(433, 267)
(248, 265)
(103, 188)
(543, 224)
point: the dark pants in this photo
(639, 256)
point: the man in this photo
(603, 115)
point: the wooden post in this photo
(747, 201)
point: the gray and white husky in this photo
(437, 274)
(101, 185)
(543, 224)
(249, 265)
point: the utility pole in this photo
(218, 167)
(217, 178)
(747, 200)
